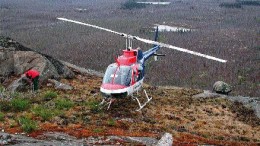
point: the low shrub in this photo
(27, 124)
(2, 116)
(111, 122)
(49, 95)
(63, 104)
(43, 112)
(2, 89)
(15, 95)
(97, 130)
(94, 107)
(249, 2)
(5, 105)
(19, 104)
(231, 5)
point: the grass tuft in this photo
(43, 112)
(111, 122)
(19, 104)
(49, 95)
(63, 104)
(27, 124)
(97, 130)
(94, 107)
(2, 116)
(5, 105)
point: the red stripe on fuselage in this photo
(113, 86)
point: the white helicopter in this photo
(125, 77)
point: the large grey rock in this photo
(25, 60)
(222, 87)
(6, 61)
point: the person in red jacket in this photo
(33, 75)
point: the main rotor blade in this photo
(148, 41)
(94, 26)
(181, 49)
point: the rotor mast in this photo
(129, 43)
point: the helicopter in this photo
(125, 77)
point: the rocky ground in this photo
(190, 119)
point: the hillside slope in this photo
(76, 112)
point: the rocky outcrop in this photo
(16, 59)
(166, 140)
(56, 138)
(249, 102)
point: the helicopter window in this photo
(109, 75)
(118, 75)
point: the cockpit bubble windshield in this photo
(120, 75)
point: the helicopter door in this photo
(135, 75)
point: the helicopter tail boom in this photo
(147, 54)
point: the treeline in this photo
(132, 4)
(240, 3)
(249, 2)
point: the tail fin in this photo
(156, 39)
(156, 34)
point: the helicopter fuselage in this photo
(126, 76)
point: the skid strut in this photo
(139, 103)
(107, 101)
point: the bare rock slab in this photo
(166, 140)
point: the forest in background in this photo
(228, 33)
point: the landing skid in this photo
(107, 101)
(138, 101)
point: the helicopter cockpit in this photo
(118, 75)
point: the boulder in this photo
(6, 61)
(222, 87)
